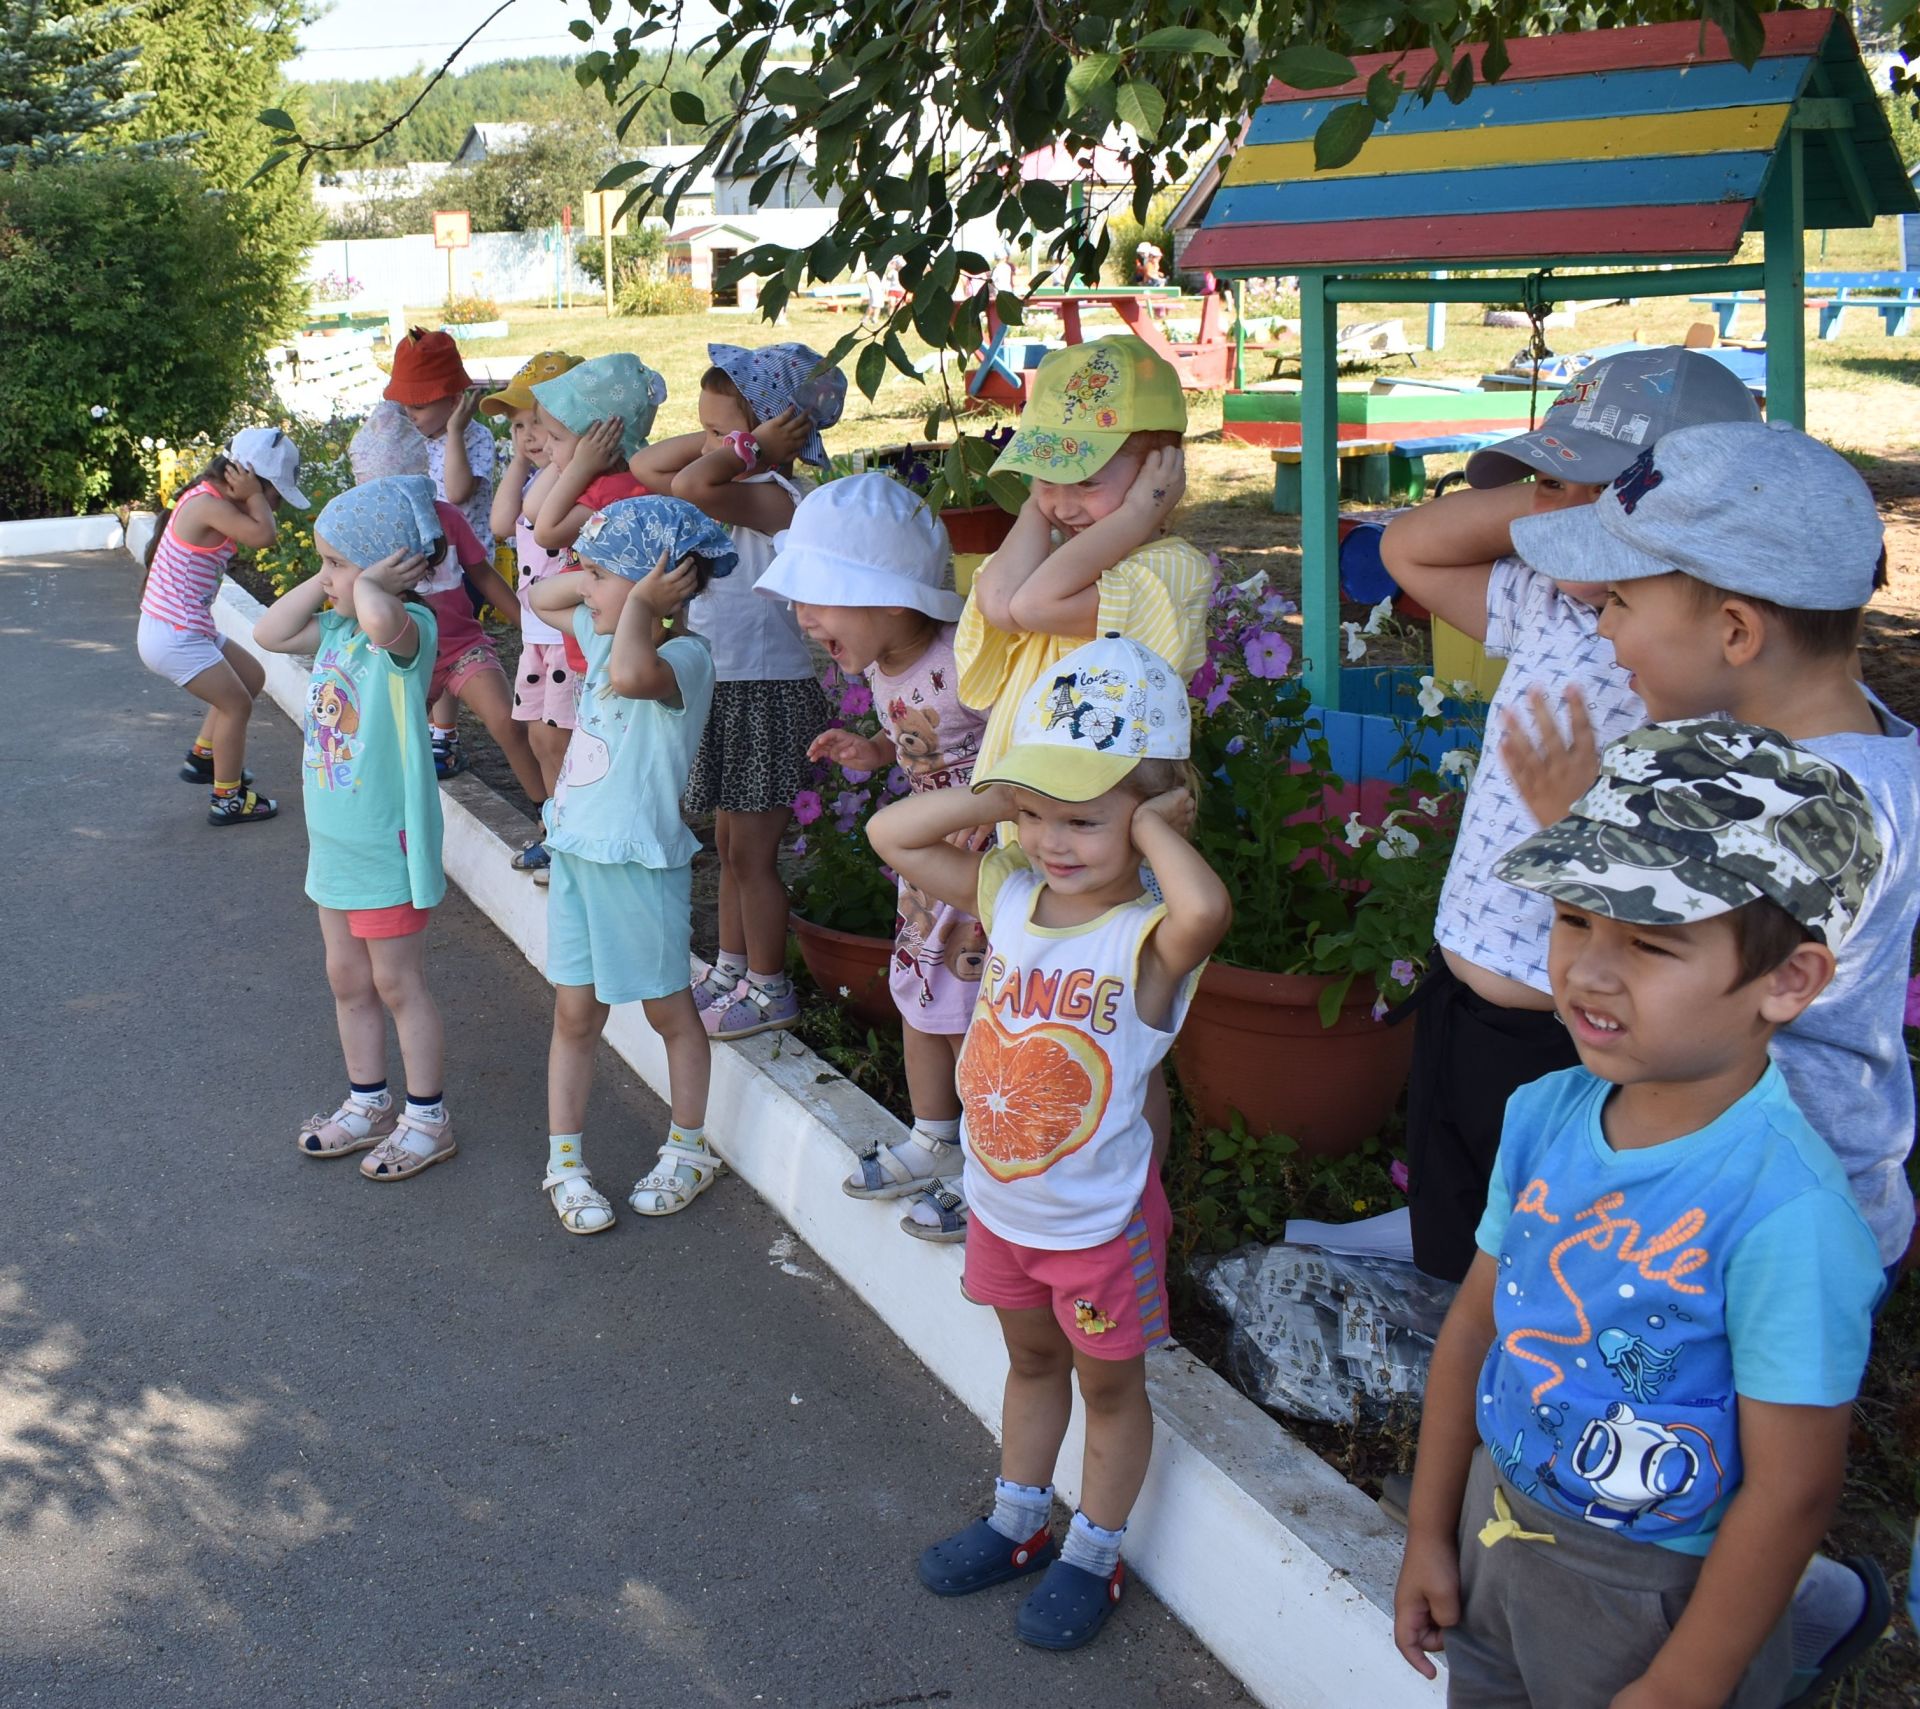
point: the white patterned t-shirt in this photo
(1549, 638)
(482, 452)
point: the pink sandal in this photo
(355, 1126)
(393, 1159)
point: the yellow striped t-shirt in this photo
(1157, 597)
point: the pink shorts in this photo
(1109, 1300)
(401, 920)
(452, 675)
(547, 688)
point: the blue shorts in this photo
(622, 929)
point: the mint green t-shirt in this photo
(617, 798)
(372, 800)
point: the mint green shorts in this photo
(622, 929)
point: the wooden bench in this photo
(327, 376)
(1848, 292)
(1375, 471)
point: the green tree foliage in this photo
(130, 304)
(211, 67)
(64, 82)
(523, 188)
(509, 91)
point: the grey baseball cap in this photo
(1754, 507)
(1610, 413)
(1696, 818)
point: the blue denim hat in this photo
(627, 538)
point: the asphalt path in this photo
(272, 1435)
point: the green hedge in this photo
(128, 308)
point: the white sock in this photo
(1092, 1548)
(442, 733)
(564, 1154)
(773, 984)
(733, 963)
(941, 1133)
(432, 1113)
(1019, 1510)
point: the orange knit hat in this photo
(426, 368)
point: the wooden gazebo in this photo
(1608, 148)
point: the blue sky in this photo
(376, 38)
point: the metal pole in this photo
(606, 246)
(1437, 320)
(1319, 490)
(1783, 225)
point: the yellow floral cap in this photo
(517, 393)
(1084, 401)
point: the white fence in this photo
(509, 266)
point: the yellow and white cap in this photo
(1082, 403)
(1091, 719)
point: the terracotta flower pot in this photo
(978, 528)
(837, 959)
(1253, 1042)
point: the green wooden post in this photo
(1319, 491)
(1783, 222)
(1239, 335)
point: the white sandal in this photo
(582, 1206)
(895, 1171)
(666, 1188)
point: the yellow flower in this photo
(1359, 1204)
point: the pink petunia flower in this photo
(1913, 1001)
(1201, 684)
(807, 806)
(1268, 654)
(1397, 1174)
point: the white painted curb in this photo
(42, 535)
(1279, 1565)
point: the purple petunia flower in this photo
(855, 776)
(1218, 697)
(1397, 1174)
(1401, 972)
(856, 700)
(898, 783)
(1277, 605)
(1913, 1001)
(799, 845)
(848, 803)
(1268, 654)
(807, 806)
(1238, 745)
(1202, 681)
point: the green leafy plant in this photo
(114, 327)
(636, 292)
(1315, 892)
(954, 476)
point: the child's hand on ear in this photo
(600, 445)
(399, 572)
(665, 587)
(463, 407)
(1550, 772)
(243, 484)
(781, 438)
(1158, 488)
(1174, 808)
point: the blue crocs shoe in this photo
(979, 1557)
(1069, 1606)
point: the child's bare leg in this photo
(549, 744)
(689, 1057)
(1039, 1395)
(356, 1003)
(753, 850)
(733, 931)
(445, 712)
(226, 691)
(400, 978)
(578, 1021)
(491, 701)
(1119, 1436)
(931, 1061)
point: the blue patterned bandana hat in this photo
(606, 386)
(378, 518)
(627, 538)
(781, 376)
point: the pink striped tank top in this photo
(184, 579)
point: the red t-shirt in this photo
(459, 620)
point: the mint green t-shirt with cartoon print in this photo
(372, 799)
(617, 798)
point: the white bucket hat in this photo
(865, 540)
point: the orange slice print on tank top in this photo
(1031, 1098)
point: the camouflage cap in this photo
(1701, 816)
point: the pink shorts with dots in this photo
(546, 689)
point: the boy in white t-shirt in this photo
(1487, 1025)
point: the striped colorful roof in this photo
(1646, 144)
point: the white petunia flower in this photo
(1397, 842)
(1432, 697)
(1460, 763)
(1356, 833)
(1378, 616)
(98, 412)
(1356, 648)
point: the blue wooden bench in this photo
(1896, 313)
(1375, 471)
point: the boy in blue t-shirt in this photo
(1636, 1422)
